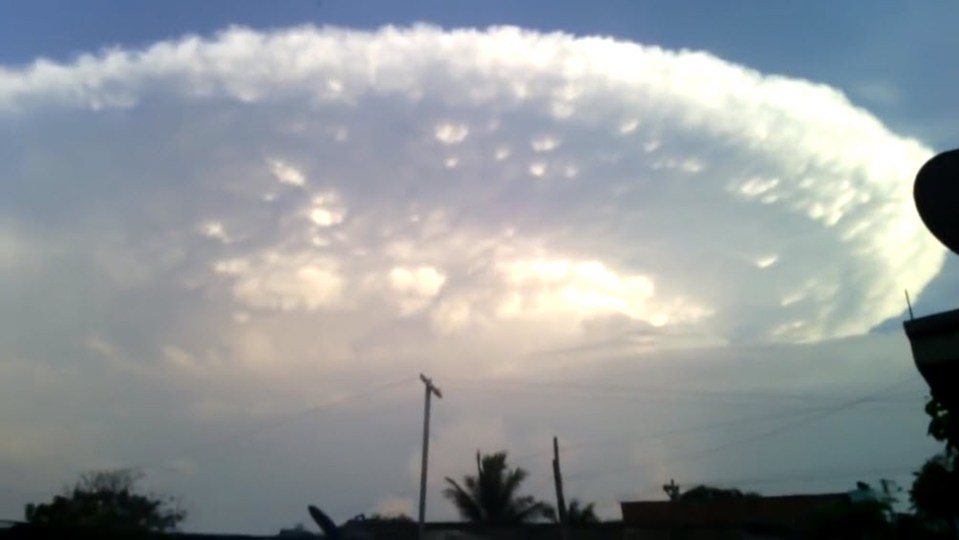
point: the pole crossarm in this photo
(430, 386)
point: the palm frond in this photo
(492, 495)
(463, 500)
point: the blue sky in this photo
(702, 224)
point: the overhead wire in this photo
(271, 424)
(848, 404)
(279, 421)
(641, 393)
(592, 443)
(816, 412)
(829, 411)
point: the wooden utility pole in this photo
(672, 490)
(560, 499)
(431, 390)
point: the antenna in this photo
(909, 304)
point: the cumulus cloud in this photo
(252, 212)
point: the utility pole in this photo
(560, 500)
(430, 391)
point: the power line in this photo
(729, 400)
(591, 443)
(828, 412)
(274, 423)
(760, 436)
(614, 391)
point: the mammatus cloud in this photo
(586, 176)
(263, 214)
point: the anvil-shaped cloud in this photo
(330, 201)
(487, 176)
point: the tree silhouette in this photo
(492, 496)
(935, 491)
(869, 515)
(107, 501)
(710, 493)
(579, 514)
(942, 426)
(391, 518)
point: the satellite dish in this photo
(936, 192)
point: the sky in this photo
(674, 235)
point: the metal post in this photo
(430, 391)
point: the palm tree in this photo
(492, 496)
(578, 514)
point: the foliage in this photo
(492, 495)
(942, 426)
(886, 496)
(390, 518)
(868, 514)
(935, 491)
(579, 514)
(672, 490)
(703, 493)
(862, 519)
(710, 493)
(107, 501)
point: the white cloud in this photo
(416, 286)
(451, 133)
(327, 210)
(284, 282)
(550, 287)
(537, 168)
(215, 230)
(608, 198)
(766, 262)
(690, 205)
(396, 506)
(421, 281)
(545, 143)
(628, 126)
(325, 217)
(287, 174)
